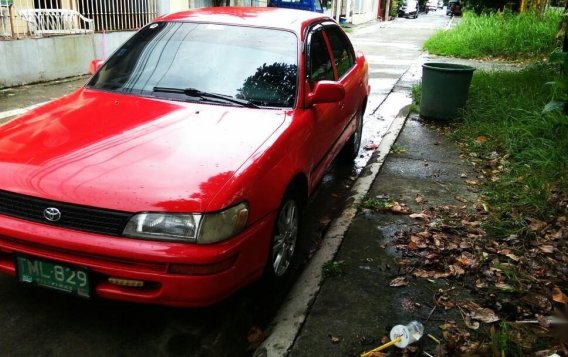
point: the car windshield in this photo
(257, 65)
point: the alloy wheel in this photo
(285, 238)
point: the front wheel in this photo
(284, 238)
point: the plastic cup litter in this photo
(408, 334)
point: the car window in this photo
(341, 49)
(320, 67)
(256, 64)
(317, 5)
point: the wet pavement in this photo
(40, 322)
(353, 312)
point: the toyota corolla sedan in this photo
(178, 173)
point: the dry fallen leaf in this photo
(474, 325)
(400, 281)
(471, 224)
(255, 336)
(535, 224)
(421, 273)
(466, 259)
(377, 354)
(480, 284)
(334, 339)
(559, 296)
(477, 312)
(422, 216)
(546, 249)
(456, 270)
(481, 139)
(419, 198)
(460, 198)
(400, 209)
(471, 182)
(504, 287)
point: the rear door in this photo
(344, 63)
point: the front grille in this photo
(73, 216)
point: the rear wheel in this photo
(351, 149)
(284, 238)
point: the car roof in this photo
(288, 19)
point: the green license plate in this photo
(70, 279)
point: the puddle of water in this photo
(376, 125)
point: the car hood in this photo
(130, 153)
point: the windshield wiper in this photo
(192, 92)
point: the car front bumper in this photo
(157, 264)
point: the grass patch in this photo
(512, 37)
(397, 149)
(523, 153)
(416, 95)
(333, 268)
(376, 204)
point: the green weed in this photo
(416, 95)
(376, 204)
(511, 274)
(397, 149)
(506, 341)
(333, 268)
(512, 37)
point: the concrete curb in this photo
(289, 319)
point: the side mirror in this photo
(95, 65)
(325, 92)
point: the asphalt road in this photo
(40, 322)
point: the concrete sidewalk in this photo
(355, 311)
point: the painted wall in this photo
(45, 59)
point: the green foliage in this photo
(416, 96)
(395, 5)
(506, 341)
(513, 37)
(487, 6)
(333, 268)
(376, 204)
(560, 83)
(416, 93)
(505, 107)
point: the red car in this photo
(177, 175)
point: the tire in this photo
(351, 148)
(282, 254)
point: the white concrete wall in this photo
(45, 59)
(362, 18)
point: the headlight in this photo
(163, 226)
(219, 226)
(200, 228)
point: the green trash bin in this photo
(444, 89)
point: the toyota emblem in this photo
(52, 214)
